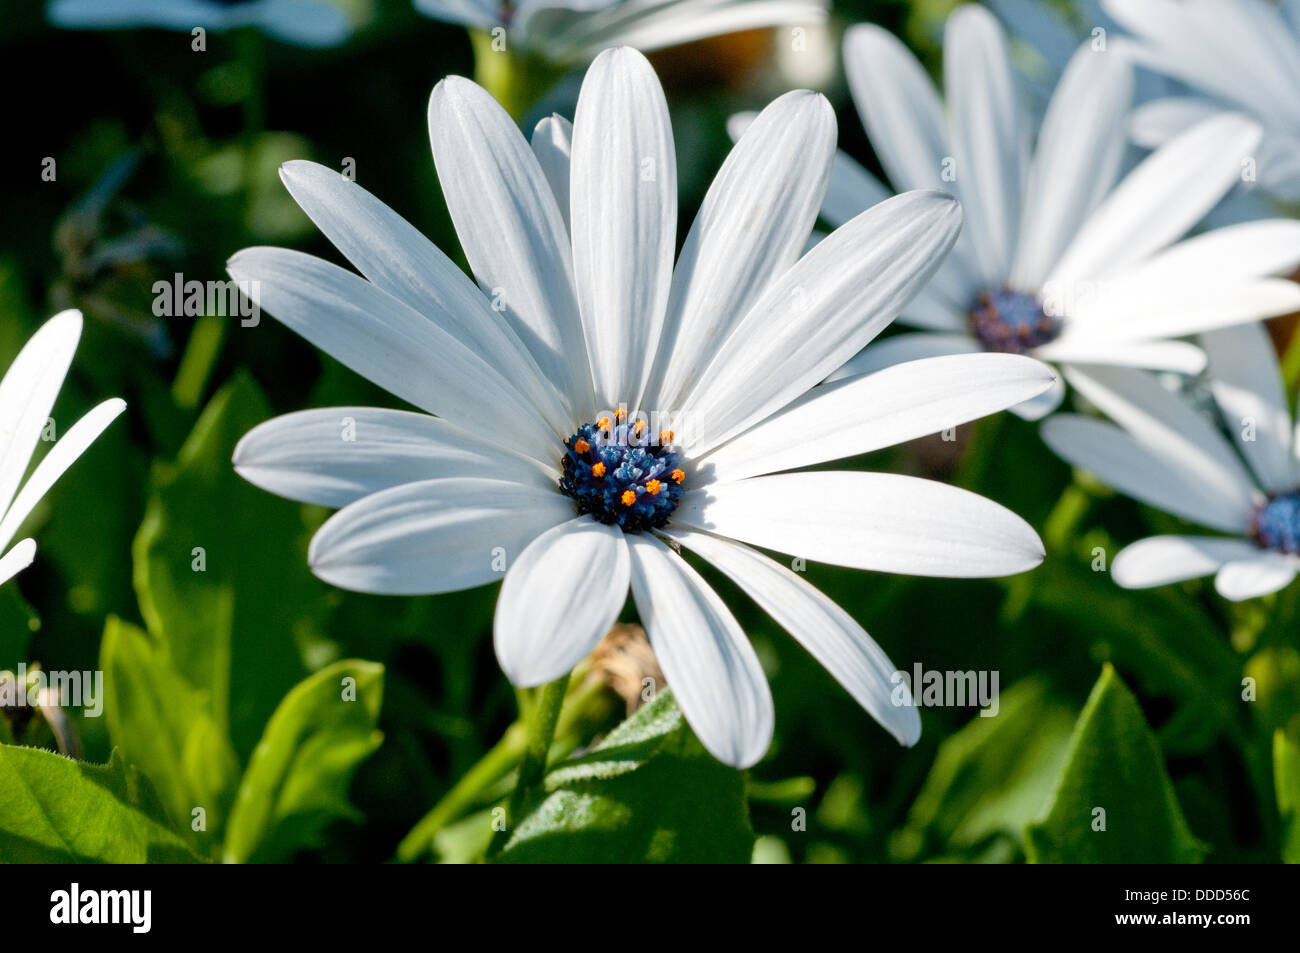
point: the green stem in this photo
(516, 80)
(543, 716)
(1061, 527)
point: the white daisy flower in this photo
(538, 460)
(310, 23)
(572, 31)
(1240, 55)
(27, 394)
(1058, 259)
(1239, 474)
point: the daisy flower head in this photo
(1236, 471)
(27, 393)
(592, 410)
(574, 31)
(1239, 55)
(1060, 258)
(308, 23)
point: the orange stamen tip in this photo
(628, 497)
(653, 487)
(598, 470)
(603, 423)
(581, 446)
(639, 427)
(678, 476)
(665, 436)
(620, 414)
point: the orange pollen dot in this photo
(581, 446)
(598, 470)
(638, 428)
(653, 487)
(628, 497)
(603, 423)
(677, 476)
(665, 436)
(620, 414)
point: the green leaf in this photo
(993, 776)
(648, 792)
(165, 728)
(1114, 766)
(1286, 778)
(298, 778)
(55, 810)
(221, 572)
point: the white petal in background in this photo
(712, 668)
(1160, 560)
(1170, 428)
(1140, 471)
(879, 521)
(552, 143)
(1247, 385)
(990, 135)
(1161, 199)
(624, 220)
(559, 599)
(1080, 147)
(433, 536)
(334, 456)
(1261, 575)
(829, 633)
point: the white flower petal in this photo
(878, 521)
(27, 394)
(392, 345)
(877, 410)
(851, 190)
(1249, 578)
(1168, 193)
(552, 143)
(1247, 385)
(559, 599)
(829, 633)
(990, 138)
(708, 662)
(821, 312)
(1154, 123)
(1178, 356)
(624, 220)
(511, 230)
(336, 455)
(398, 259)
(753, 225)
(902, 348)
(433, 536)
(898, 105)
(1139, 471)
(1160, 560)
(1171, 428)
(470, 13)
(1080, 148)
(55, 463)
(17, 559)
(1036, 408)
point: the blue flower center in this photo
(1012, 322)
(621, 474)
(1277, 524)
